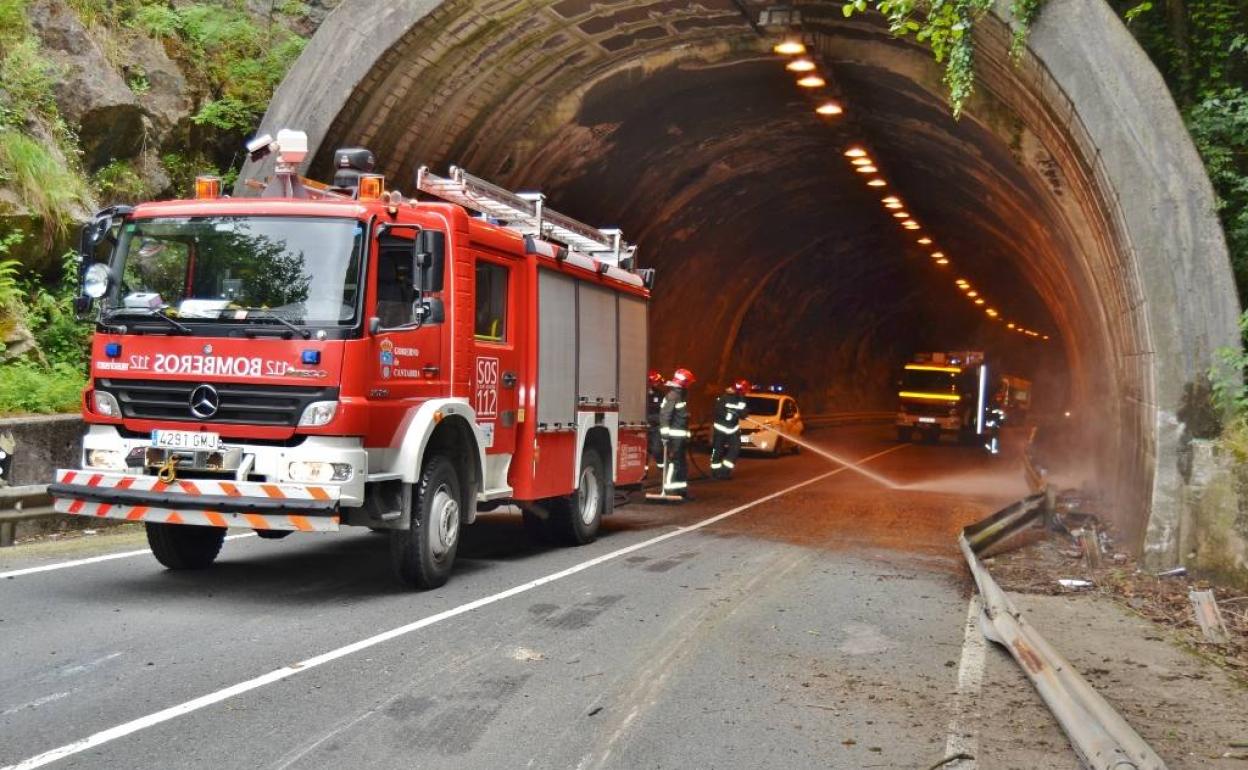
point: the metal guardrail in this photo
(1100, 736)
(22, 504)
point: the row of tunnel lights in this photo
(863, 164)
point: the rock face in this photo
(165, 99)
(89, 92)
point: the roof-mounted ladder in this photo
(526, 213)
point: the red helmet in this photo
(682, 378)
(655, 377)
(741, 387)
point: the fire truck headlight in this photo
(310, 471)
(318, 413)
(109, 459)
(103, 403)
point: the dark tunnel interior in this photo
(776, 261)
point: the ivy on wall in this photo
(946, 27)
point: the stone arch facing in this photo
(1070, 190)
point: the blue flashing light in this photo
(112, 349)
(311, 357)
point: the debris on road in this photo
(1101, 738)
(1074, 583)
(1208, 617)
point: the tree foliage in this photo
(1201, 49)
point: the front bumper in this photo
(928, 422)
(300, 507)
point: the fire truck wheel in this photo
(424, 553)
(184, 546)
(575, 519)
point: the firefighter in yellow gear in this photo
(730, 408)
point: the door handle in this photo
(509, 379)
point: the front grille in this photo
(239, 404)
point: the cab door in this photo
(405, 355)
(498, 328)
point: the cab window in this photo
(789, 410)
(491, 315)
(396, 297)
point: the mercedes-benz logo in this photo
(205, 402)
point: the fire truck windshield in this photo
(924, 380)
(303, 270)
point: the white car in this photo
(773, 410)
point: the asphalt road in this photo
(820, 627)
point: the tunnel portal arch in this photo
(1069, 187)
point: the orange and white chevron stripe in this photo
(203, 518)
(190, 489)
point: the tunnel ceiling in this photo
(674, 121)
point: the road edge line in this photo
(16, 573)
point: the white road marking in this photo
(962, 736)
(92, 560)
(142, 723)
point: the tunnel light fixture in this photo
(863, 161)
(1009, 325)
(979, 301)
(901, 215)
(877, 183)
(912, 227)
(972, 293)
(1046, 337)
(800, 65)
(812, 81)
(893, 206)
(938, 255)
(962, 284)
(789, 48)
(942, 261)
(866, 169)
(829, 108)
(925, 241)
(855, 152)
(891, 200)
(991, 312)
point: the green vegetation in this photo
(1201, 49)
(51, 377)
(232, 58)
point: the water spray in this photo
(850, 464)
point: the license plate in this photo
(186, 439)
(927, 419)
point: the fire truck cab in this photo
(943, 393)
(323, 356)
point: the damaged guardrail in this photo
(1100, 736)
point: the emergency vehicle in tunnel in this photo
(943, 393)
(324, 356)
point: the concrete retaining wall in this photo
(1213, 522)
(39, 445)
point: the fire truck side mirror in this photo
(428, 260)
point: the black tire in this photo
(575, 519)
(423, 554)
(904, 435)
(272, 534)
(184, 546)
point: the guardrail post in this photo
(7, 530)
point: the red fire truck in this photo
(323, 356)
